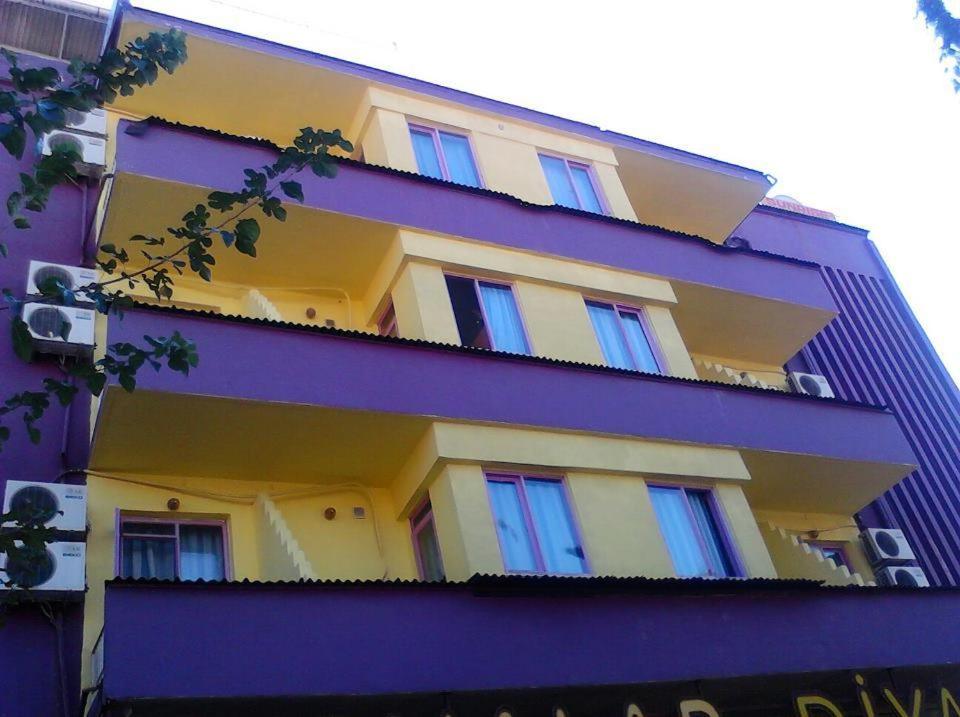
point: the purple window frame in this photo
(483, 309)
(728, 544)
(122, 518)
(591, 175)
(834, 545)
(434, 133)
(388, 322)
(518, 480)
(422, 519)
(648, 332)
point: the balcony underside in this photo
(328, 412)
(515, 640)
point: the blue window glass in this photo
(503, 317)
(535, 526)
(691, 532)
(638, 341)
(561, 187)
(622, 337)
(515, 543)
(559, 545)
(585, 189)
(571, 184)
(459, 159)
(428, 162)
(613, 344)
(444, 155)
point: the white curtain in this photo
(459, 159)
(679, 532)
(149, 558)
(503, 318)
(515, 543)
(201, 552)
(562, 552)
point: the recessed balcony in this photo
(272, 385)
(735, 304)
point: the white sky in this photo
(843, 102)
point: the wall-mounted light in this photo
(311, 312)
(173, 504)
(330, 513)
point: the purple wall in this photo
(276, 363)
(29, 682)
(367, 639)
(877, 351)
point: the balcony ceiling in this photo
(251, 440)
(310, 249)
(686, 197)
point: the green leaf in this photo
(34, 434)
(15, 141)
(21, 223)
(323, 167)
(95, 382)
(292, 190)
(22, 340)
(128, 382)
(13, 203)
(248, 229)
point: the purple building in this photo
(513, 417)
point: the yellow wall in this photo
(376, 546)
(550, 295)
(607, 482)
(614, 515)
(618, 526)
(830, 527)
(506, 151)
(464, 520)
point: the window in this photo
(387, 326)
(487, 315)
(172, 549)
(623, 337)
(444, 155)
(691, 528)
(832, 551)
(426, 548)
(534, 525)
(572, 184)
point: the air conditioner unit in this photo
(92, 150)
(61, 330)
(57, 505)
(810, 384)
(92, 122)
(60, 567)
(902, 576)
(71, 277)
(883, 545)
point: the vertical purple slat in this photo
(875, 351)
